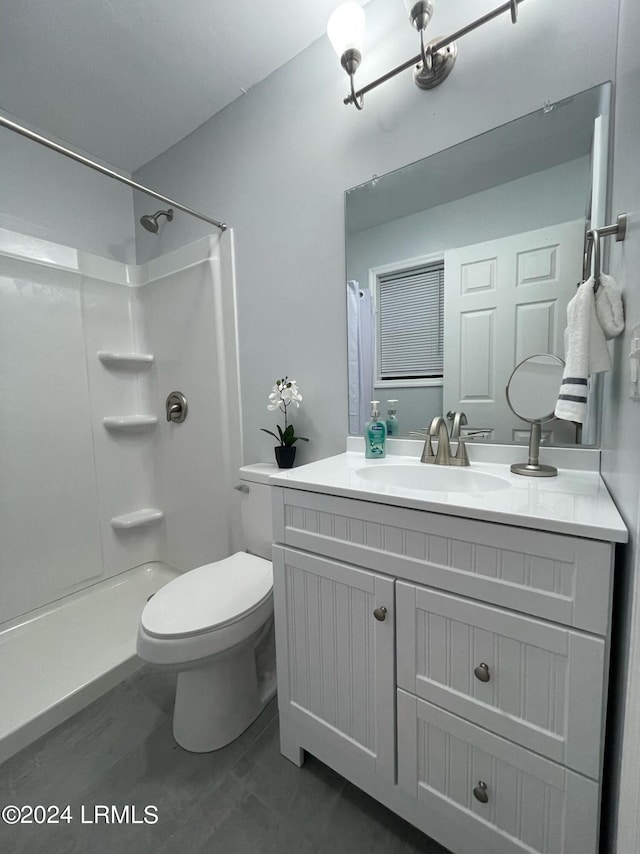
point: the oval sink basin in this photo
(433, 478)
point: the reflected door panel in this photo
(505, 300)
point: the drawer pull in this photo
(480, 792)
(481, 672)
(380, 613)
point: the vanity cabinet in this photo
(454, 669)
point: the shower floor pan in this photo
(58, 659)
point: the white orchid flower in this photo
(284, 393)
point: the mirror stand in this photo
(532, 392)
(533, 468)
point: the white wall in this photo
(63, 475)
(51, 197)
(275, 165)
(187, 313)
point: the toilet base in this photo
(217, 701)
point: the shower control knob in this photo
(176, 407)
(380, 613)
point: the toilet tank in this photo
(255, 508)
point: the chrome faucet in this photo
(438, 429)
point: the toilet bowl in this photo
(214, 625)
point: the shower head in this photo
(151, 222)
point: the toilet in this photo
(214, 625)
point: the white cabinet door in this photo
(505, 300)
(335, 659)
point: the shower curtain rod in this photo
(61, 149)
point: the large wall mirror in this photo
(461, 265)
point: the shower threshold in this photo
(58, 659)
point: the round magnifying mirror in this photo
(532, 393)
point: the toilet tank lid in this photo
(209, 597)
(258, 472)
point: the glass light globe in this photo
(346, 28)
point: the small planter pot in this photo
(285, 456)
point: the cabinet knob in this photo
(480, 792)
(380, 613)
(481, 672)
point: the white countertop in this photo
(575, 502)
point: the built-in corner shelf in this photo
(137, 519)
(130, 423)
(125, 361)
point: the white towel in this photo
(609, 310)
(585, 353)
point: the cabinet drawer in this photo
(539, 685)
(532, 804)
(557, 577)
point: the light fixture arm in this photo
(350, 60)
(354, 98)
(434, 49)
(426, 53)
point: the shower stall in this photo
(103, 498)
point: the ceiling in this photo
(126, 79)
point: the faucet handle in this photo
(428, 454)
(461, 458)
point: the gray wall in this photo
(275, 164)
(49, 196)
(621, 446)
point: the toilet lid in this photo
(209, 597)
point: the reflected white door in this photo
(505, 300)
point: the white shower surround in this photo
(65, 477)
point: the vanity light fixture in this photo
(432, 65)
(346, 33)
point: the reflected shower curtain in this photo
(360, 350)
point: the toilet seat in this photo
(209, 598)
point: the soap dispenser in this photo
(392, 418)
(375, 434)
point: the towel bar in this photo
(592, 240)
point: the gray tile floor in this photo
(243, 799)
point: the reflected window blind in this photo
(410, 322)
